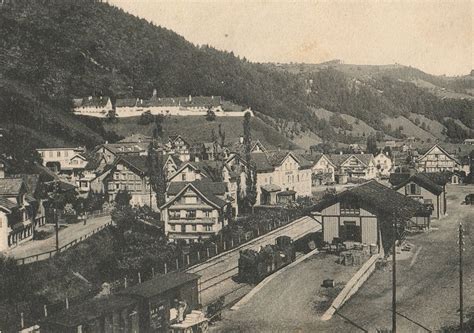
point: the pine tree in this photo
(156, 173)
(251, 175)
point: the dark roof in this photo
(210, 190)
(439, 178)
(378, 199)
(4, 202)
(303, 161)
(126, 102)
(209, 168)
(339, 159)
(139, 163)
(422, 180)
(95, 101)
(90, 310)
(160, 284)
(10, 186)
(194, 101)
(261, 162)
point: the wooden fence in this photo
(49, 254)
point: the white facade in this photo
(384, 164)
(67, 158)
(324, 166)
(436, 159)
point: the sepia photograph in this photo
(236, 166)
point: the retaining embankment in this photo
(352, 286)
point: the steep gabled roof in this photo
(11, 186)
(444, 151)
(261, 162)
(423, 181)
(137, 163)
(208, 191)
(340, 159)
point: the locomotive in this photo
(254, 266)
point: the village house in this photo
(323, 170)
(384, 164)
(355, 166)
(195, 210)
(180, 147)
(111, 151)
(365, 215)
(16, 213)
(421, 187)
(93, 106)
(171, 165)
(436, 159)
(63, 159)
(281, 177)
(129, 173)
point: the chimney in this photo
(241, 139)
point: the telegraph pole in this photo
(56, 221)
(394, 280)
(461, 249)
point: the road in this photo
(427, 287)
(66, 235)
(216, 273)
(427, 283)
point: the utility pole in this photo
(394, 280)
(56, 221)
(461, 249)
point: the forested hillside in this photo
(55, 52)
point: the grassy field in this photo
(359, 127)
(409, 128)
(435, 127)
(199, 129)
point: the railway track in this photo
(217, 275)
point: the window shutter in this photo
(407, 189)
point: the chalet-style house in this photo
(384, 164)
(424, 188)
(191, 171)
(436, 159)
(111, 151)
(195, 210)
(365, 214)
(180, 147)
(357, 166)
(171, 164)
(323, 169)
(130, 173)
(16, 213)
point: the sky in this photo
(434, 36)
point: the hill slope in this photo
(57, 52)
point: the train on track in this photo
(254, 266)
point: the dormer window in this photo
(349, 208)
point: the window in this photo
(173, 227)
(413, 189)
(190, 200)
(208, 227)
(349, 208)
(191, 214)
(174, 214)
(183, 176)
(58, 154)
(193, 227)
(66, 153)
(350, 231)
(207, 213)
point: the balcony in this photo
(193, 220)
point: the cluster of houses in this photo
(204, 180)
(174, 106)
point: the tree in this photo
(111, 116)
(221, 135)
(210, 115)
(251, 173)
(156, 173)
(122, 199)
(158, 130)
(146, 118)
(372, 144)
